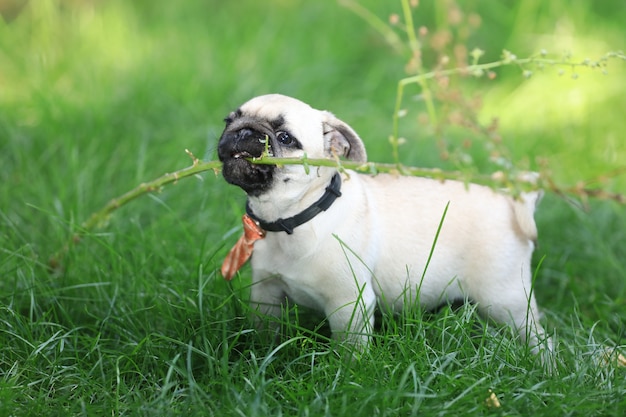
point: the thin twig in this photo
(500, 180)
(99, 218)
(478, 70)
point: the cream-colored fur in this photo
(373, 243)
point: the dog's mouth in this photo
(243, 155)
(235, 149)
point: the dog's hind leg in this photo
(512, 302)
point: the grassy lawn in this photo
(97, 97)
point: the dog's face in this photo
(286, 127)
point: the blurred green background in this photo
(98, 96)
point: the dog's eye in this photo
(285, 138)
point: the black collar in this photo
(287, 225)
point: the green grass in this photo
(95, 99)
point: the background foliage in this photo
(99, 96)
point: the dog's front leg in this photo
(352, 318)
(267, 296)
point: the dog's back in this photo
(444, 241)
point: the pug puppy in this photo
(341, 242)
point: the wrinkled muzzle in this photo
(234, 147)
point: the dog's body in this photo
(374, 242)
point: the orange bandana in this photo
(241, 252)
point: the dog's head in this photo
(286, 127)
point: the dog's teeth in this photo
(240, 155)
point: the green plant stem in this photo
(416, 51)
(478, 70)
(99, 218)
(500, 180)
(382, 168)
(376, 23)
(414, 44)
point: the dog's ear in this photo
(341, 140)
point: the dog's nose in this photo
(242, 143)
(243, 134)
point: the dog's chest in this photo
(293, 267)
(280, 253)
